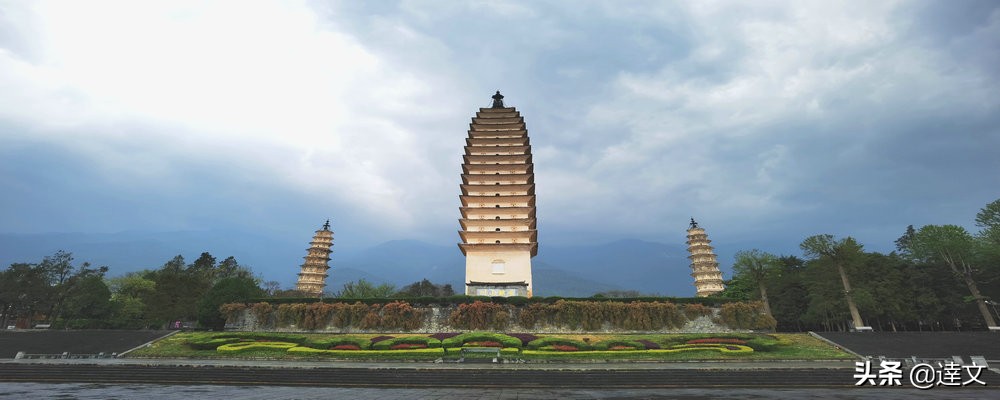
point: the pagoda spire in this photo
(498, 204)
(498, 100)
(704, 267)
(312, 278)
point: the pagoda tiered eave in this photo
(491, 201)
(497, 142)
(470, 212)
(490, 159)
(528, 188)
(471, 237)
(497, 150)
(468, 224)
(500, 179)
(532, 248)
(503, 169)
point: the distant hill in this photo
(580, 270)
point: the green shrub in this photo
(430, 342)
(731, 349)
(271, 336)
(308, 351)
(608, 344)
(255, 347)
(550, 341)
(458, 341)
(684, 338)
(764, 343)
(211, 343)
(518, 300)
(324, 344)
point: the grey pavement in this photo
(103, 391)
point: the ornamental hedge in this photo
(308, 351)
(326, 344)
(619, 345)
(255, 347)
(393, 344)
(471, 337)
(544, 342)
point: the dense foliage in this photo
(941, 277)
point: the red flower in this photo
(345, 347)
(563, 347)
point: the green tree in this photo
(739, 288)
(178, 291)
(793, 303)
(127, 304)
(841, 253)
(988, 219)
(363, 289)
(904, 242)
(228, 290)
(755, 266)
(64, 278)
(89, 299)
(425, 288)
(953, 246)
(24, 292)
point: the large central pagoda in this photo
(498, 204)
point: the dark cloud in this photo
(768, 123)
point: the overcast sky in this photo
(767, 121)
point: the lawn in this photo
(575, 347)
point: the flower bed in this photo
(411, 342)
(246, 347)
(360, 342)
(408, 346)
(717, 341)
(460, 340)
(724, 349)
(446, 335)
(377, 339)
(397, 354)
(211, 343)
(482, 344)
(547, 342)
(619, 345)
(525, 337)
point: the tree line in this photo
(54, 292)
(940, 277)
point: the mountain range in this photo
(577, 270)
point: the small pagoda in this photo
(312, 278)
(498, 204)
(704, 267)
